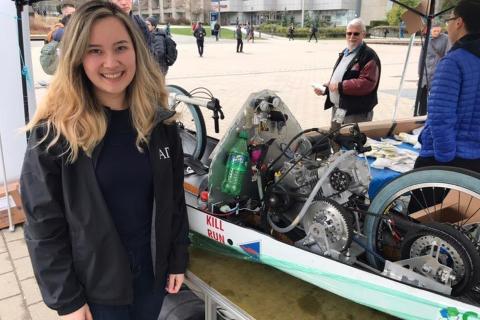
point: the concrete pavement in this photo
(20, 297)
(286, 67)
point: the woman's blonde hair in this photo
(70, 108)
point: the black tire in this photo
(460, 243)
(448, 178)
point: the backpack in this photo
(164, 49)
(170, 50)
(49, 57)
(199, 33)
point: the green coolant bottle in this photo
(237, 166)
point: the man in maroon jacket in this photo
(352, 89)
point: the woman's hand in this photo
(174, 282)
(81, 314)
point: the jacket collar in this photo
(163, 114)
(357, 49)
(470, 42)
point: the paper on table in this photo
(390, 156)
(391, 141)
(381, 163)
(4, 203)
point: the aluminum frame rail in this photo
(214, 299)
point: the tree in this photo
(394, 15)
(448, 4)
(307, 21)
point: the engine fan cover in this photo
(336, 221)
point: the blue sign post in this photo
(214, 18)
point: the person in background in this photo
(49, 54)
(126, 6)
(251, 35)
(167, 29)
(102, 179)
(216, 30)
(151, 23)
(385, 32)
(58, 33)
(451, 136)
(158, 43)
(291, 32)
(438, 46)
(66, 9)
(401, 29)
(313, 33)
(352, 89)
(247, 30)
(238, 36)
(200, 34)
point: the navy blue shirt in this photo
(125, 178)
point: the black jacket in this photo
(75, 249)
(199, 33)
(159, 49)
(360, 94)
(142, 26)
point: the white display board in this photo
(11, 94)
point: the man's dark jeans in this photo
(200, 46)
(239, 45)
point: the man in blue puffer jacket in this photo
(452, 133)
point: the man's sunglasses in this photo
(356, 34)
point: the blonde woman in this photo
(102, 179)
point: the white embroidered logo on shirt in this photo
(164, 154)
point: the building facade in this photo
(258, 11)
(174, 10)
(331, 12)
(328, 12)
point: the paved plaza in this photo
(285, 67)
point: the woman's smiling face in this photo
(109, 62)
